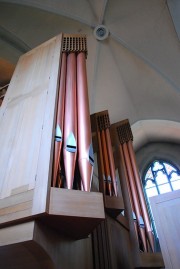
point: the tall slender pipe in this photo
(85, 150)
(134, 195)
(101, 163)
(141, 196)
(106, 163)
(111, 161)
(129, 190)
(129, 206)
(70, 121)
(59, 119)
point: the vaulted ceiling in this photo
(134, 73)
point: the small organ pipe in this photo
(134, 194)
(111, 161)
(126, 176)
(101, 161)
(59, 119)
(128, 189)
(106, 163)
(140, 192)
(70, 121)
(127, 196)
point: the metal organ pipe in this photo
(111, 161)
(141, 196)
(106, 163)
(70, 121)
(134, 195)
(73, 119)
(127, 185)
(85, 151)
(59, 121)
(101, 161)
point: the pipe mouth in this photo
(101, 32)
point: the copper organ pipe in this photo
(141, 196)
(106, 163)
(85, 150)
(111, 161)
(59, 120)
(70, 121)
(126, 176)
(136, 224)
(125, 185)
(59, 179)
(134, 195)
(101, 161)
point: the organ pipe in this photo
(111, 161)
(85, 154)
(106, 164)
(73, 119)
(101, 162)
(135, 197)
(70, 121)
(140, 192)
(126, 185)
(100, 122)
(137, 201)
(59, 121)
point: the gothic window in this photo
(161, 177)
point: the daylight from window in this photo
(161, 177)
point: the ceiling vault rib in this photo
(101, 18)
(13, 40)
(41, 6)
(146, 60)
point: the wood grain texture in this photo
(17, 233)
(120, 245)
(16, 199)
(165, 210)
(76, 203)
(27, 131)
(16, 207)
(113, 205)
(44, 168)
(35, 245)
(65, 253)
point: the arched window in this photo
(160, 177)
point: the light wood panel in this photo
(165, 210)
(16, 234)
(27, 130)
(76, 203)
(74, 213)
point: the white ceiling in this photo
(135, 73)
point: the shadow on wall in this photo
(166, 151)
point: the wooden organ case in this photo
(49, 218)
(34, 213)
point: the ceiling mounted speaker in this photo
(101, 32)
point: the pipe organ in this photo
(133, 181)
(47, 209)
(73, 129)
